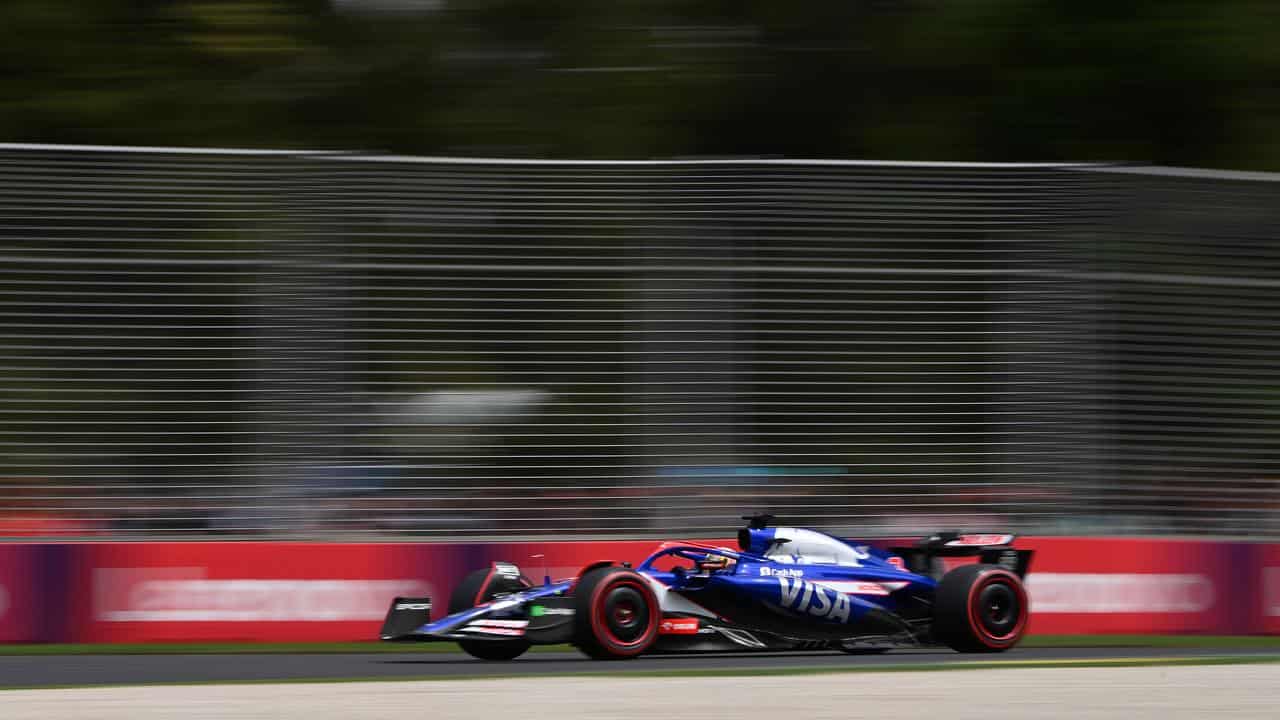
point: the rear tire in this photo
(980, 609)
(480, 587)
(616, 614)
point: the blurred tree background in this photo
(1167, 81)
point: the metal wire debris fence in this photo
(241, 343)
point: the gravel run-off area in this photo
(1084, 693)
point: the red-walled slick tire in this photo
(980, 608)
(616, 614)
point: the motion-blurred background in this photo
(1025, 312)
(1163, 81)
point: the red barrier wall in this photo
(287, 592)
(20, 617)
(1267, 575)
(142, 592)
(1085, 586)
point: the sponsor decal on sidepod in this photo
(679, 626)
(801, 596)
(780, 572)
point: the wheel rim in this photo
(997, 610)
(626, 613)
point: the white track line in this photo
(1087, 693)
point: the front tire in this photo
(980, 609)
(616, 614)
(480, 587)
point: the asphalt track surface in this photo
(38, 670)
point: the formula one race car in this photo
(783, 589)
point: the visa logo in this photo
(803, 597)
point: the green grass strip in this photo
(1034, 641)
(731, 672)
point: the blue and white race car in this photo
(782, 589)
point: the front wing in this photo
(538, 615)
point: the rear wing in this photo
(988, 548)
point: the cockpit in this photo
(805, 547)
